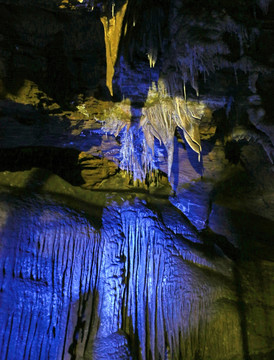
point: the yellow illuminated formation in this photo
(112, 30)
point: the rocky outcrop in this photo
(136, 180)
(133, 286)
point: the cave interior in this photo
(136, 180)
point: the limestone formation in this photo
(136, 180)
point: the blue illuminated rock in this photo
(132, 286)
(136, 180)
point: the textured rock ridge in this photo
(136, 180)
(74, 289)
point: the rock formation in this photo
(136, 179)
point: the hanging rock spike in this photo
(112, 30)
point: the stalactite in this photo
(188, 122)
(152, 57)
(161, 119)
(159, 123)
(113, 31)
(135, 155)
(200, 48)
(264, 5)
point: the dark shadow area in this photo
(175, 165)
(35, 185)
(255, 235)
(62, 162)
(212, 242)
(133, 337)
(267, 316)
(265, 86)
(253, 249)
(242, 311)
(147, 28)
(193, 156)
(62, 51)
(233, 151)
(254, 232)
(86, 327)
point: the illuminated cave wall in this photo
(136, 180)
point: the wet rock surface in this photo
(138, 225)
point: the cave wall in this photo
(136, 285)
(136, 179)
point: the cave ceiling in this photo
(136, 179)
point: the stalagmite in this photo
(112, 30)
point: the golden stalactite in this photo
(112, 30)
